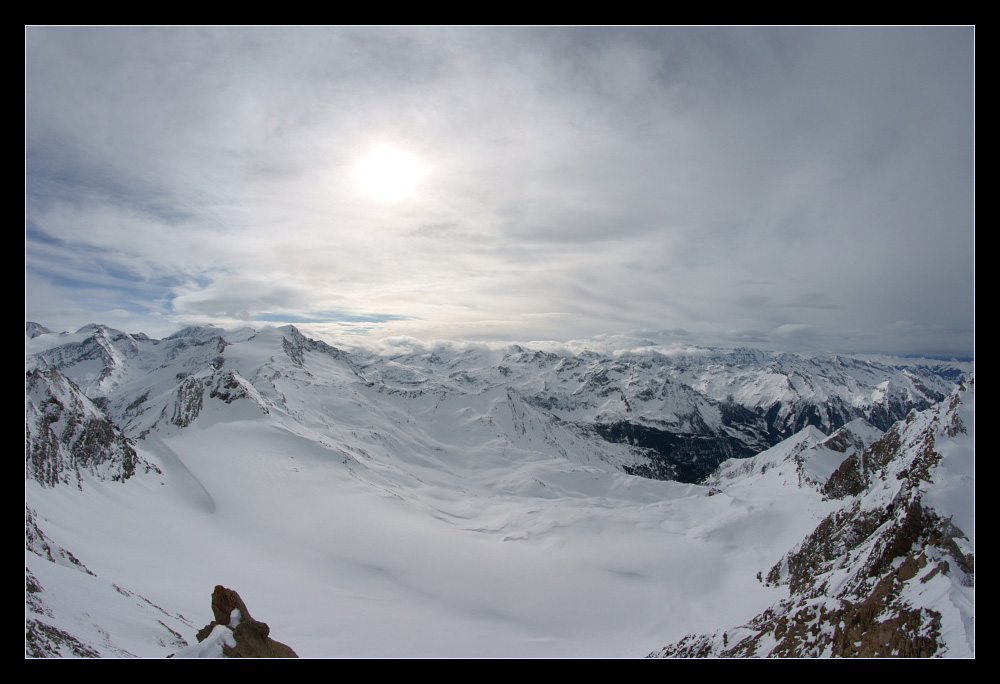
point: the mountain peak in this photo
(198, 332)
(33, 330)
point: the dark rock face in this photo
(252, 636)
(188, 401)
(671, 455)
(691, 449)
(230, 386)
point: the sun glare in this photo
(389, 174)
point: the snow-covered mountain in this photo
(890, 572)
(441, 499)
(682, 414)
(807, 458)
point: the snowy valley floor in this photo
(552, 561)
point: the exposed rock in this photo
(230, 386)
(847, 480)
(39, 544)
(67, 435)
(188, 401)
(251, 637)
(42, 640)
(673, 456)
(224, 602)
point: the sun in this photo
(389, 174)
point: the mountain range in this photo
(486, 500)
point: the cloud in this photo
(710, 180)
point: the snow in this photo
(955, 477)
(211, 647)
(359, 518)
(341, 567)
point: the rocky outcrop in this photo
(869, 580)
(187, 401)
(238, 634)
(230, 386)
(683, 457)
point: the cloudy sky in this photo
(804, 189)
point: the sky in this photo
(806, 189)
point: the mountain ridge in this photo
(891, 571)
(663, 406)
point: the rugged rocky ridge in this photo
(66, 435)
(69, 439)
(888, 572)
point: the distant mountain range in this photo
(681, 414)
